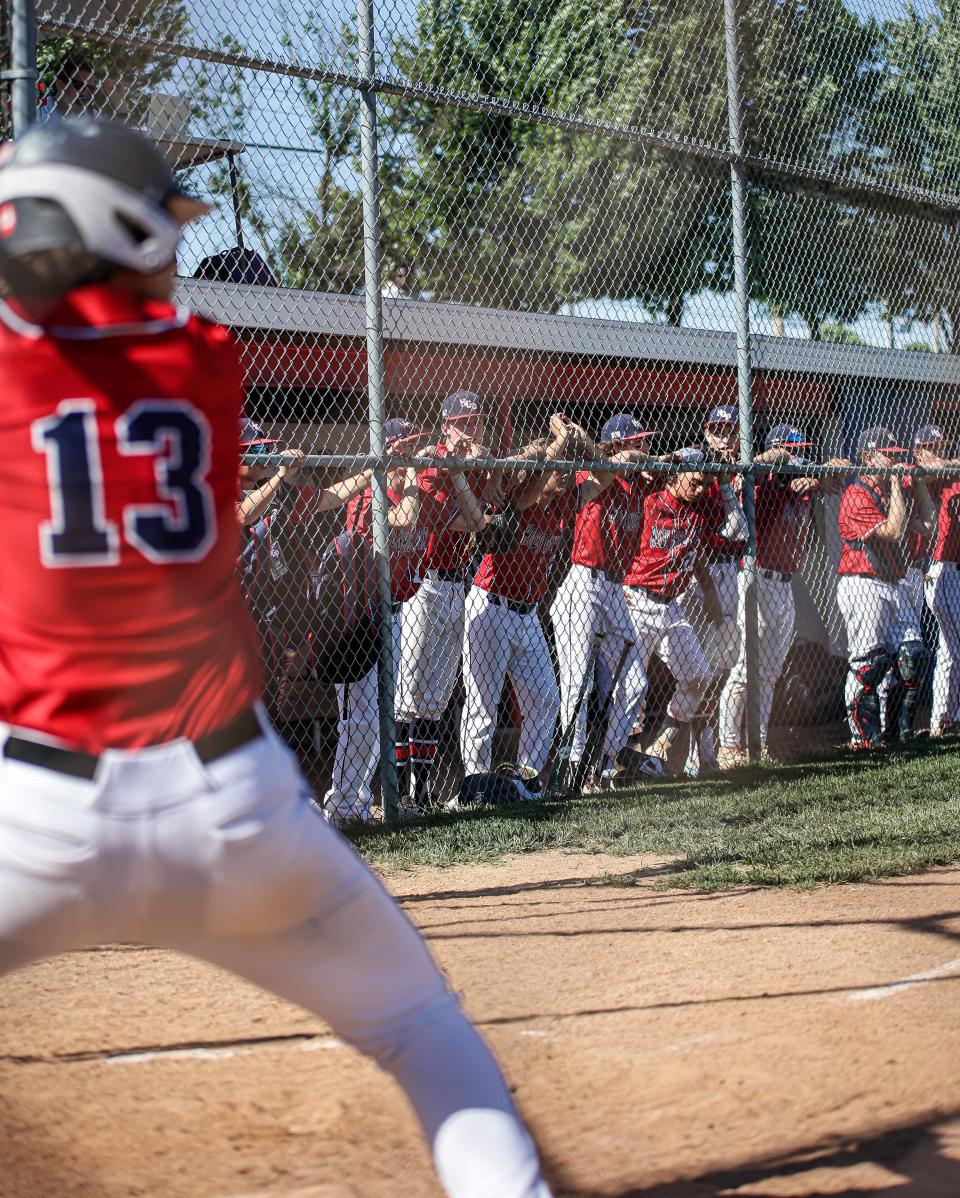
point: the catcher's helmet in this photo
(80, 196)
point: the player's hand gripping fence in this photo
(570, 276)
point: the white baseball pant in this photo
(775, 619)
(875, 620)
(231, 862)
(910, 599)
(942, 589)
(664, 630)
(500, 642)
(588, 603)
(357, 758)
(720, 643)
(431, 645)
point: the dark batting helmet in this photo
(80, 196)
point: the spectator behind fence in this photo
(79, 90)
(402, 283)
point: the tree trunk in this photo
(776, 320)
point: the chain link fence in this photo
(626, 335)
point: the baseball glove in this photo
(502, 531)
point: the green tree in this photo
(839, 334)
(916, 129)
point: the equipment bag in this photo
(346, 619)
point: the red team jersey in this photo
(674, 536)
(122, 622)
(447, 549)
(947, 548)
(783, 526)
(523, 573)
(408, 547)
(863, 509)
(607, 530)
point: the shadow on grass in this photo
(914, 1152)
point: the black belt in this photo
(522, 609)
(664, 599)
(240, 731)
(446, 575)
(775, 575)
(596, 573)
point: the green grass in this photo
(841, 820)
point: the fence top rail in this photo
(326, 314)
(333, 461)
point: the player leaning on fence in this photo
(349, 797)
(679, 530)
(432, 620)
(590, 602)
(504, 637)
(274, 564)
(942, 583)
(876, 519)
(783, 506)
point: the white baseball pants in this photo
(942, 590)
(431, 646)
(663, 629)
(721, 644)
(910, 599)
(775, 619)
(231, 862)
(875, 620)
(583, 607)
(357, 758)
(499, 642)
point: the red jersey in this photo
(607, 530)
(523, 573)
(714, 514)
(947, 548)
(408, 546)
(122, 622)
(447, 548)
(674, 536)
(783, 525)
(863, 509)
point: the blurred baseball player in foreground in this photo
(145, 797)
(432, 620)
(504, 636)
(875, 522)
(784, 517)
(590, 599)
(679, 531)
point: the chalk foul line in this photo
(917, 979)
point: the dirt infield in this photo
(661, 1043)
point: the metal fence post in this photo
(370, 188)
(22, 74)
(741, 268)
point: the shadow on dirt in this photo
(914, 1158)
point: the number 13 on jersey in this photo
(179, 525)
